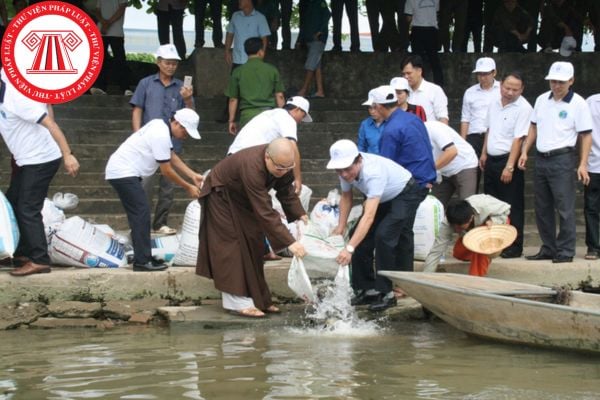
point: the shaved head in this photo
(282, 150)
(279, 156)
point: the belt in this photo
(411, 182)
(476, 133)
(500, 157)
(555, 152)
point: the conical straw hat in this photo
(490, 240)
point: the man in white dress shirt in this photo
(423, 93)
(476, 101)
(559, 117)
(507, 125)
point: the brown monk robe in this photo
(236, 215)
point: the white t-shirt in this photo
(476, 102)
(424, 12)
(107, 9)
(505, 124)
(379, 177)
(442, 136)
(140, 154)
(594, 158)
(29, 142)
(432, 98)
(265, 127)
(559, 122)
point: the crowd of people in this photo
(404, 150)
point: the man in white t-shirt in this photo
(111, 16)
(139, 157)
(559, 117)
(423, 93)
(455, 161)
(591, 207)
(273, 124)
(507, 125)
(38, 145)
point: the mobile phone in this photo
(187, 81)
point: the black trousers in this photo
(115, 66)
(26, 193)
(171, 18)
(512, 193)
(476, 142)
(286, 17)
(389, 242)
(424, 41)
(215, 15)
(137, 208)
(591, 211)
(337, 10)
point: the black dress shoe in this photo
(363, 298)
(562, 259)
(511, 253)
(384, 304)
(150, 266)
(540, 256)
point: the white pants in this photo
(236, 303)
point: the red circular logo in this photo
(52, 52)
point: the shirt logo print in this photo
(562, 114)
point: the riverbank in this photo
(103, 298)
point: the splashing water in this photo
(333, 312)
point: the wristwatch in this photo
(350, 248)
(510, 169)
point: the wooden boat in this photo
(507, 311)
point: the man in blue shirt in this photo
(159, 96)
(384, 228)
(404, 139)
(369, 133)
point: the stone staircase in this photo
(96, 125)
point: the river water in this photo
(416, 360)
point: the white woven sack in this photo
(9, 229)
(80, 244)
(187, 252)
(428, 221)
(321, 250)
(299, 282)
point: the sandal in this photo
(272, 309)
(591, 255)
(250, 312)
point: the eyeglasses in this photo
(280, 167)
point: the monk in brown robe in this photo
(236, 215)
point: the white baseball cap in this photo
(369, 102)
(189, 119)
(302, 104)
(399, 83)
(484, 64)
(342, 154)
(167, 52)
(383, 95)
(567, 46)
(560, 71)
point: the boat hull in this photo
(482, 311)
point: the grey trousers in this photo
(464, 184)
(555, 192)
